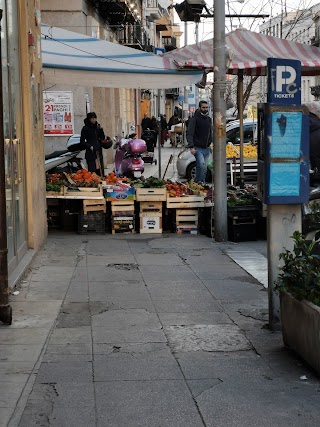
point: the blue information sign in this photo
(286, 135)
(284, 179)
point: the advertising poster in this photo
(58, 113)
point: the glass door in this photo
(14, 149)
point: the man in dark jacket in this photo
(199, 138)
(91, 138)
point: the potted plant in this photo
(299, 288)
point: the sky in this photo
(271, 7)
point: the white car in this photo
(186, 163)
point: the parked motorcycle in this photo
(128, 157)
(66, 160)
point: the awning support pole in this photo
(5, 309)
(240, 106)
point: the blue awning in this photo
(76, 59)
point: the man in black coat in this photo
(199, 138)
(91, 138)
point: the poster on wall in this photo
(58, 113)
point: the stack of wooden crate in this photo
(92, 218)
(122, 220)
(151, 208)
(186, 212)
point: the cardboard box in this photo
(151, 224)
(117, 193)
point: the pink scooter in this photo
(128, 161)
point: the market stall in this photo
(84, 203)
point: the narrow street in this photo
(134, 330)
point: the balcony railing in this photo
(135, 36)
(152, 9)
(169, 43)
(172, 93)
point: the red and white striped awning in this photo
(251, 51)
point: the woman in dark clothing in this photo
(91, 138)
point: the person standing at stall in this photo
(92, 138)
(199, 139)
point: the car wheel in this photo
(191, 171)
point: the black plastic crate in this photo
(93, 222)
(242, 232)
(54, 216)
(242, 214)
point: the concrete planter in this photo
(301, 328)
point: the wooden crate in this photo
(185, 202)
(150, 207)
(151, 222)
(151, 194)
(124, 225)
(94, 205)
(187, 216)
(122, 208)
(83, 192)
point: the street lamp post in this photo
(219, 121)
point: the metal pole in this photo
(5, 308)
(240, 106)
(159, 133)
(219, 121)
(185, 93)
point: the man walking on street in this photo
(199, 138)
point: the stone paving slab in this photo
(100, 291)
(190, 305)
(120, 320)
(202, 318)
(79, 335)
(65, 372)
(20, 353)
(130, 335)
(112, 274)
(207, 338)
(23, 336)
(165, 260)
(131, 366)
(145, 404)
(220, 404)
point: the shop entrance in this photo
(14, 144)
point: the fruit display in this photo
(249, 151)
(196, 187)
(178, 190)
(112, 179)
(84, 178)
(232, 151)
(54, 178)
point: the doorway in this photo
(13, 134)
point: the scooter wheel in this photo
(155, 162)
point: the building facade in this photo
(298, 26)
(134, 23)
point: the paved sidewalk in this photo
(152, 331)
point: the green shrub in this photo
(300, 273)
